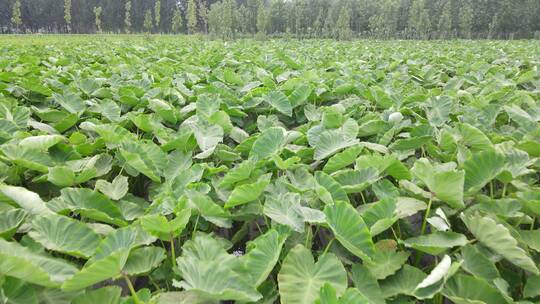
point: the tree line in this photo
(340, 19)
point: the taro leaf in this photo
(342, 159)
(208, 270)
(145, 157)
(355, 181)
(463, 289)
(478, 264)
(207, 136)
(380, 215)
(86, 199)
(434, 282)
(328, 189)
(300, 277)
(109, 258)
(63, 234)
(160, 227)
(115, 190)
(532, 287)
(300, 95)
(410, 143)
(279, 101)
(327, 295)
(367, 284)
(32, 159)
(248, 192)
(403, 282)
(10, 220)
(22, 263)
(28, 200)
(284, 209)
(143, 260)
(61, 176)
(237, 174)
(350, 230)
(481, 169)
(498, 238)
(268, 143)
(100, 270)
(104, 295)
(442, 180)
(436, 243)
(329, 141)
(261, 256)
(386, 262)
(41, 142)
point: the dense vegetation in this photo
(343, 19)
(187, 171)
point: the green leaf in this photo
(342, 159)
(437, 242)
(10, 220)
(285, 209)
(403, 282)
(95, 272)
(143, 260)
(208, 270)
(367, 284)
(115, 190)
(435, 280)
(481, 169)
(20, 262)
(268, 143)
(463, 289)
(300, 278)
(28, 200)
(160, 227)
(262, 255)
(350, 230)
(63, 234)
(329, 141)
(330, 186)
(41, 142)
(497, 238)
(386, 262)
(248, 192)
(61, 176)
(104, 295)
(280, 102)
(442, 180)
(478, 264)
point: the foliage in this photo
(183, 170)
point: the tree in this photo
(203, 14)
(67, 14)
(494, 26)
(127, 19)
(157, 13)
(445, 21)
(261, 20)
(192, 16)
(97, 14)
(465, 20)
(148, 22)
(419, 24)
(384, 22)
(16, 14)
(176, 22)
(343, 24)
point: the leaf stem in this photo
(132, 290)
(328, 246)
(532, 223)
(504, 190)
(173, 253)
(308, 237)
(195, 227)
(424, 222)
